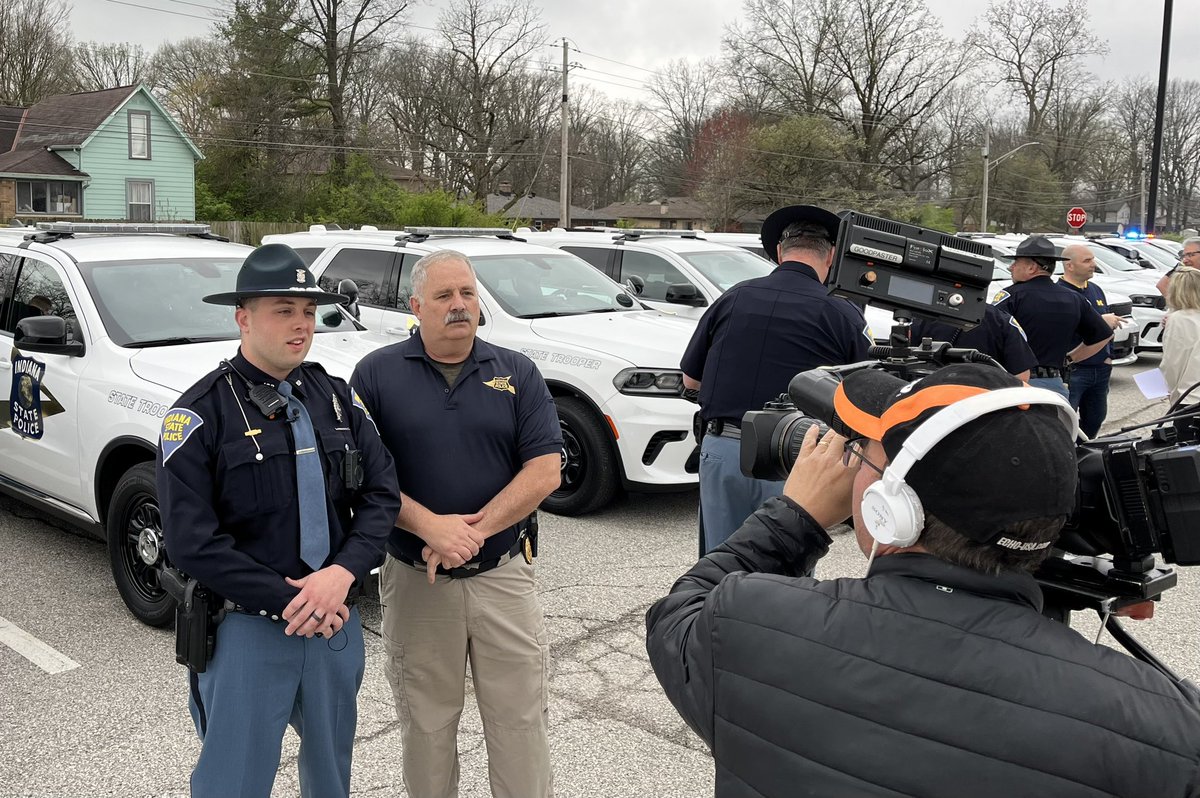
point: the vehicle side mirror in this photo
(46, 334)
(635, 284)
(685, 294)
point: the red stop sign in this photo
(1076, 218)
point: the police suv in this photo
(101, 328)
(612, 364)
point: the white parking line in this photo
(33, 649)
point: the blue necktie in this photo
(310, 483)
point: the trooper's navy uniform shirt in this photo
(998, 335)
(1054, 318)
(466, 442)
(1094, 294)
(227, 485)
(760, 333)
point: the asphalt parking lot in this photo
(117, 725)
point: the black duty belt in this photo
(526, 544)
(1042, 372)
(724, 427)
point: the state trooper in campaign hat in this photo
(277, 495)
(275, 270)
(751, 342)
(1062, 326)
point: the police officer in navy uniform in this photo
(478, 446)
(999, 336)
(276, 494)
(1062, 327)
(1090, 376)
(751, 342)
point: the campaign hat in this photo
(1038, 247)
(275, 270)
(779, 220)
(1007, 466)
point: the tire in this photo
(134, 531)
(590, 469)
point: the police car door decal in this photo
(25, 401)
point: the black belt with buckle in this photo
(526, 545)
(724, 427)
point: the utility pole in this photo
(1160, 107)
(1142, 204)
(983, 216)
(564, 185)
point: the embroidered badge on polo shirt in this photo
(178, 425)
(501, 384)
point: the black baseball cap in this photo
(778, 221)
(275, 270)
(1011, 465)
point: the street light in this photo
(987, 143)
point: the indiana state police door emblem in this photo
(25, 402)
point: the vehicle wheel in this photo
(135, 546)
(590, 470)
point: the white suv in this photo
(101, 329)
(611, 364)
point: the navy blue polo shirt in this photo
(762, 332)
(457, 448)
(1094, 294)
(1054, 318)
(998, 336)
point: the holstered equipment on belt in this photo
(197, 615)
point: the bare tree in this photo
(186, 75)
(777, 55)
(339, 33)
(476, 101)
(1036, 49)
(34, 49)
(686, 95)
(100, 65)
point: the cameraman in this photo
(936, 674)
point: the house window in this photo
(139, 195)
(139, 134)
(48, 196)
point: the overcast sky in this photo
(648, 33)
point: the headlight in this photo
(650, 382)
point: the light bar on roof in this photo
(124, 227)
(655, 231)
(458, 231)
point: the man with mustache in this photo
(478, 447)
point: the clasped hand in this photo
(320, 606)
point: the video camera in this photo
(1138, 497)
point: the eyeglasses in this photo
(1186, 254)
(855, 453)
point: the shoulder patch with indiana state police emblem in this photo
(358, 402)
(178, 425)
(502, 384)
(1020, 329)
(999, 297)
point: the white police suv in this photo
(612, 364)
(101, 328)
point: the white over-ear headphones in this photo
(891, 510)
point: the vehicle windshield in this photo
(726, 268)
(156, 302)
(1165, 260)
(1001, 266)
(531, 286)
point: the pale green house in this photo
(114, 154)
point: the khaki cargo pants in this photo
(494, 621)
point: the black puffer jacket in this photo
(926, 679)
